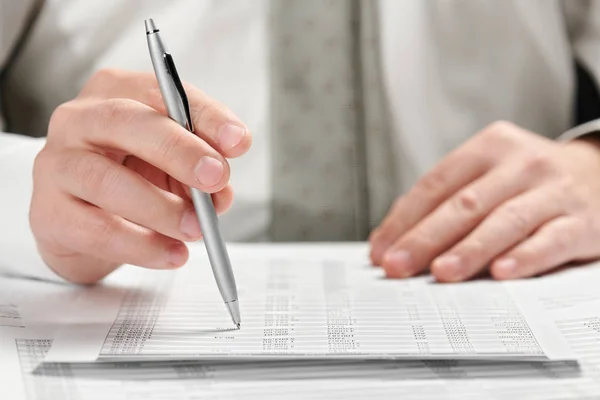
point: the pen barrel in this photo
(207, 216)
(215, 245)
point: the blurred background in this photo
(349, 101)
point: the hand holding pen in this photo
(111, 184)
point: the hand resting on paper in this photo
(507, 199)
(111, 184)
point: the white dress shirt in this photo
(448, 68)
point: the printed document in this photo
(571, 298)
(302, 305)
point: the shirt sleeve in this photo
(581, 130)
(583, 23)
(18, 250)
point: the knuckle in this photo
(61, 118)
(170, 147)
(104, 75)
(98, 234)
(114, 110)
(498, 130)
(103, 82)
(477, 156)
(469, 202)
(499, 133)
(117, 105)
(537, 164)
(199, 112)
(517, 218)
(207, 114)
(429, 186)
(501, 126)
(93, 176)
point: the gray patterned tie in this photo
(319, 188)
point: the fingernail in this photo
(177, 254)
(450, 264)
(190, 225)
(506, 267)
(397, 263)
(209, 171)
(230, 136)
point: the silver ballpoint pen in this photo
(177, 105)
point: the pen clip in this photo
(171, 70)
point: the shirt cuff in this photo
(18, 250)
(581, 130)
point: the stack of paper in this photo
(317, 322)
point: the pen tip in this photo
(234, 312)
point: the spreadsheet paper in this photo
(294, 306)
(570, 297)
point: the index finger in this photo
(213, 122)
(128, 127)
